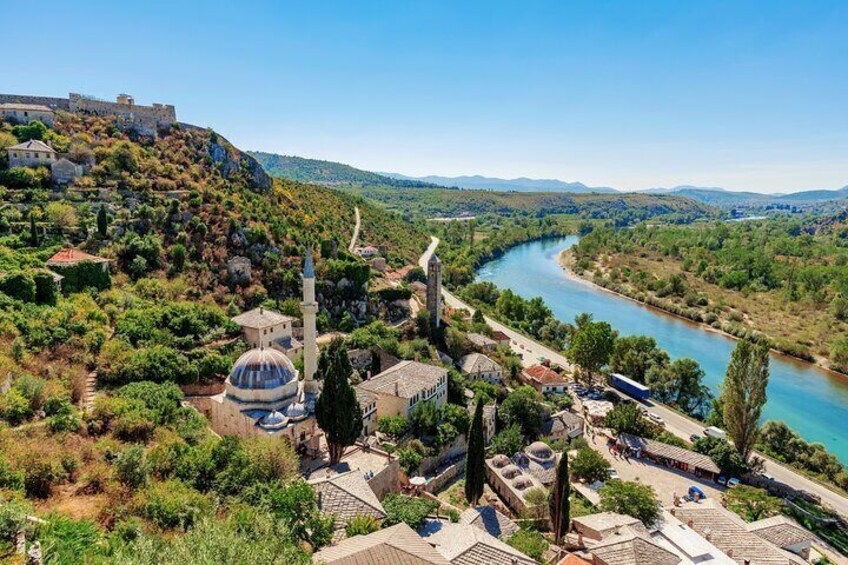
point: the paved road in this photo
(355, 231)
(675, 422)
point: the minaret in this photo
(309, 308)
(434, 290)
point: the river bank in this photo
(566, 261)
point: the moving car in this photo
(713, 431)
(656, 418)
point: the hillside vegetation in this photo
(782, 278)
(326, 172)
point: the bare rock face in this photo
(230, 162)
(239, 270)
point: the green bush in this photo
(39, 478)
(412, 511)
(172, 505)
(18, 285)
(132, 467)
(530, 543)
(14, 407)
(361, 526)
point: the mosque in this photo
(263, 395)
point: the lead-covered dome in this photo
(262, 368)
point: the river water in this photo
(810, 400)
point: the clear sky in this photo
(740, 94)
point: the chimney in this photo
(690, 523)
(397, 388)
(729, 553)
(261, 310)
(320, 499)
(746, 561)
(672, 511)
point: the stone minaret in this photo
(434, 290)
(309, 308)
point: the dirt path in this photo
(353, 239)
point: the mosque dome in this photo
(510, 471)
(500, 460)
(262, 368)
(539, 450)
(274, 420)
(296, 411)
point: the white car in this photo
(613, 474)
(656, 418)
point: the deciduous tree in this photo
(744, 393)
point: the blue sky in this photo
(744, 95)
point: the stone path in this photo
(355, 231)
(90, 391)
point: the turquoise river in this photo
(812, 401)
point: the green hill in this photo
(327, 172)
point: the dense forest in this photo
(784, 278)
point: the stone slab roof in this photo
(781, 531)
(405, 380)
(563, 422)
(347, 495)
(481, 341)
(463, 544)
(632, 549)
(260, 318)
(489, 519)
(660, 449)
(477, 363)
(33, 145)
(729, 533)
(397, 545)
(607, 522)
(69, 256)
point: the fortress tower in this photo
(434, 290)
(309, 308)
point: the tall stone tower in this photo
(434, 290)
(309, 308)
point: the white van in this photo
(713, 431)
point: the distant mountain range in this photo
(332, 173)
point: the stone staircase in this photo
(90, 391)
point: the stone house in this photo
(32, 153)
(368, 404)
(480, 367)
(563, 425)
(544, 379)
(64, 171)
(510, 482)
(402, 387)
(266, 328)
(483, 342)
(26, 113)
(70, 257)
(345, 496)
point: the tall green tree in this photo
(744, 393)
(560, 504)
(33, 231)
(102, 221)
(474, 460)
(591, 346)
(337, 409)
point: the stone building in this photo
(145, 119)
(510, 482)
(266, 328)
(26, 113)
(480, 367)
(399, 389)
(434, 290)
(263, 396)
(346, 496)
(31, 153)
(70, 257)
(544, 379)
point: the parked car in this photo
(694, 437)
(715, 432)
(766, 476)
(613, 474)
(656, 418)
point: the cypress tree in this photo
(337, 409)
(474, 459)
(102, 221)
(33, 231)
(560, 503)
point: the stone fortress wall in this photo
(146, 119)
(49, 101)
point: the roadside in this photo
(676, 423)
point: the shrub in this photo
(14, 407)
(18, 285)
(39, 478)
(132, 467)
(361, 526)
(531, 544)
(412, 511)
(590, 466)
(13, 515)
(135, 425)
(171, 505)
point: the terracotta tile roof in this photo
(477, 363)
(781, 531)
(463, 544)
(32, 145)
(729, 533)
(397, 545)
(543, 375)
(573, 559)
(70, 256)
(489, 519)
(659, 449)
(347, 495)
(498, 335)
(405, 380)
